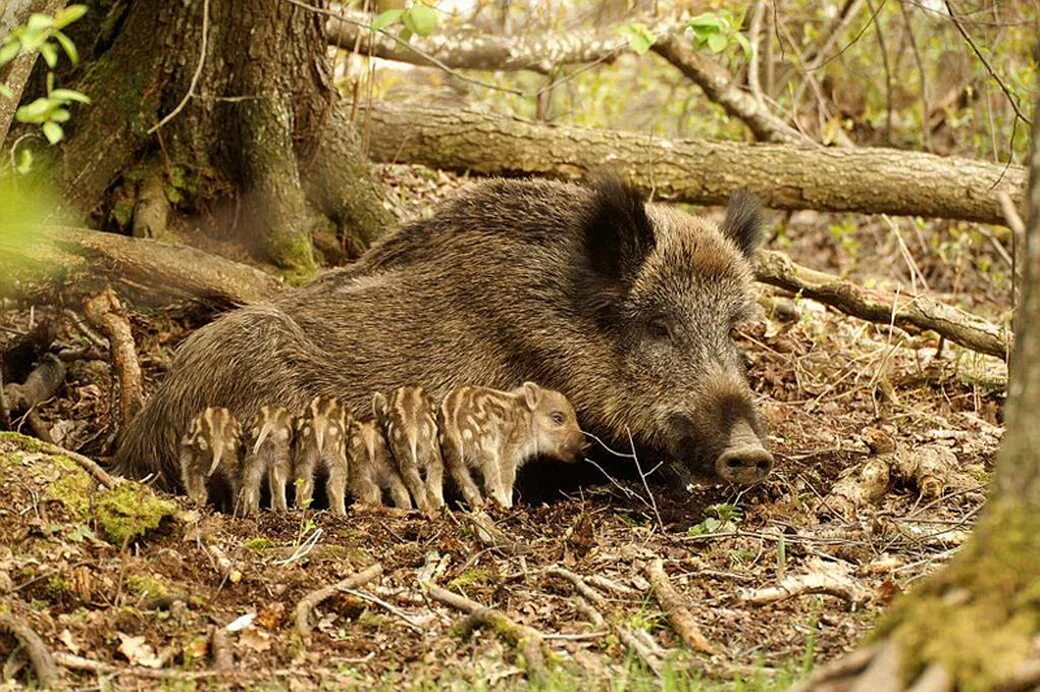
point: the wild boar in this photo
(625, 307)
(211, 445)
(409, 420)
(321, 442)
(271, 457)
(371, 469)
(496, 432)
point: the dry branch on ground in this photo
(106, 313)
(314, 598)
(675, 607)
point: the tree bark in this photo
(700, 171)
(234, 99)
(147, 270)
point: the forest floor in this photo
(779, 577)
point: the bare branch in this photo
(311, 600)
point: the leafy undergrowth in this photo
(146, 607)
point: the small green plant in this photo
(43, 34)
(721, 519)
(719, 32)
(416, 20)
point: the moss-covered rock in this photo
(122, 514)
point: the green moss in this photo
(259, 544)
(979, 616)
(123, 211)
(475, 576)
(123, 513)
(146, 585)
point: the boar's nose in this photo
(744, 465)
(744, 460)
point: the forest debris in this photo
(901, 310)
(224, 565)
(674, 605)
(590, 613)
(41, 384)
(311, 600)
(488, 533)
(826, 578)
(598, 580)
(527, 640)
(152, 209)
(862, 486)
(646, 648)
(138, 652)
(25, 350)
(106, 313)
(73, 662)
(579, 583)
(220, 644)
(39, 655)
(86, 464)
(929, 467)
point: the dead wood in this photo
(580, 584)
(823, 578)
(864, 486)
(311, 600)
(106, 313)
(527, 640)
(73, 662)
(39, 655)
(224, 565)
(223, 652)
(647, 651)
(785, 176)
(902, 310)
(144, 270)
(674, 605)
(42, 384)
(25, 350)
(930, 467)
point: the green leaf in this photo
(25, 161)
(640, 38)
(70, 95)
(69, 15)
(53, 132)
(8, 52)
(717, 42)
(709, 20)
(60, 115)
(385, 19)
(35, 112)
(68, 46)
(405, 35)
(424, 19)
(49, 54)
(39, 22)
(744, 43)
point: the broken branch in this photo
(904, 311)
(42, 384)
(311, 600)
(674, 605)
(39, 654)
(106, 313)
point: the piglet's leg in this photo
(435, 483)
(491, 469)
(248, 495)
(508, 471)
(193, 477)
(456, 463)
(409, 469)
(336, 486)
(303, 477)
(398, 491)
(277, 477)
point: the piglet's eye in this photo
(557, 418)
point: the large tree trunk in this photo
(700, 171)
(975, 625)
(15, 73)
(234, 98)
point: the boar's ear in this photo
(379, 406)
(618, 233)
(743, 222)
(532, 393)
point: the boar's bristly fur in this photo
(627, 308)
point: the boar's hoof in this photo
(744, 465)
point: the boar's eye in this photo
(557, 417)
(659, 329)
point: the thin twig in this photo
(579, 583)
(989, 68)
(674, 605)
(39, 655)
(926, 111)
(195, 77)
(312, 599)
(408, 619)
(642, 477)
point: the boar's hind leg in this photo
(456, 463)
(336, 487)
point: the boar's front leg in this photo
(455, 460)
(336, 486)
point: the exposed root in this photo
(89, 465)
(106, 313)
(648, 651)
(579, 583)
(929, 467)
(528, 641)
(311, 600)
(73, 662)
(674, 605)
(488, 533)
(39, 655)
(862, 486)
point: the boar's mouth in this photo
(734, 455)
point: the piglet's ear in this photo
(743, 222)
(532, 393)
(379, 406)
(618, 233)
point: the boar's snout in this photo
(744, 460)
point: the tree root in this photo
(580, 584)
(106, 313)
(311, 600)
(73, 662)
(904, 311)
(528, 641)
(152, 209)
(41, 384)
(89, 465)
(39, 655)
(674, 605)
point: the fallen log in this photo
(902, 310)
(785, 176)
(146, 270)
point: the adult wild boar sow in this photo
(627, 308)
